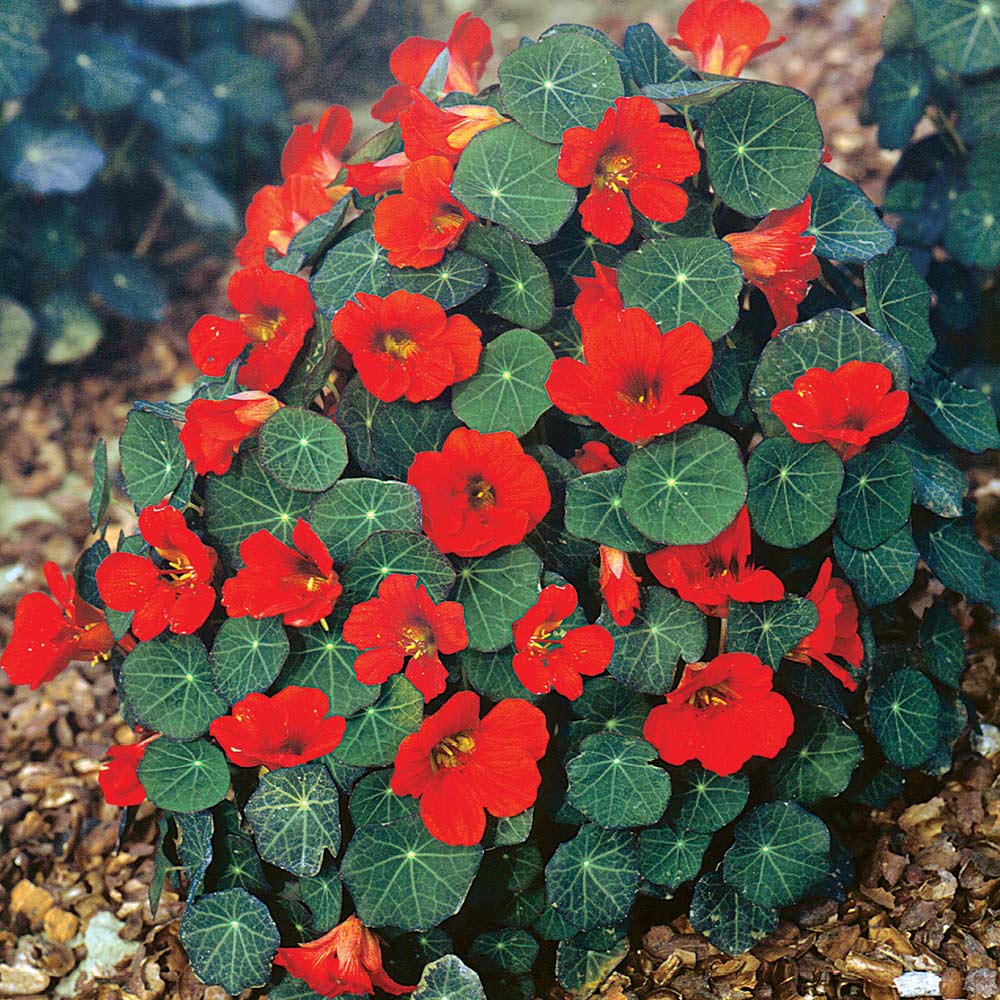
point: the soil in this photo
(74, 913)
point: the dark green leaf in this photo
(184, 777)
(962, 35)
(964, 416)
(127, 286)
(669, 856)
(323, 893)
(457, 278)
(448, 978)
(388, 552)
(883, 573)
(651, 60)
(876, 497)
(897, 96)
(373, 800)
(845, 223)
(100, 494)
(704, 801)
(152, 458)
(904, 717)
(584, 961)
(899, 302)
(506, 952)
(303, 450)
(770, 630)
(374, 734)
(247, 655)
(941, 644)
(194, 848)
(401, 429)
(726, 917)
(939, 484)
(356, 264)
(594, 510)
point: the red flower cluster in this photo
(461, 766)
(547, 655)
(432, 131)
(214, 429)
(479, 493)
(178, 596)
(403, 621)
(721, 714)
(301, 586)
(599, 301)
(632, 151)
(119, 777)
(594, 456)
(777, 257)
(52, 632)
(724, 35)
(371, 178)
(281, 730)
(318, 152)
(405, 345)
(346, 960)
(846, 408)
(275, 309)
(710, 575)
(632, 378)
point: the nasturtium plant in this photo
(571, 511)
(130, 127)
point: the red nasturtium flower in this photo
(178, 596)
(632, 151)
(548, 655)
(479, 493)
(846, 408)
(837, 631)
(119, 777)
(619, 585)
(461, 766)
(418, 225)
(633, 377)
(287, 728)
(469, 49)
(432, 131)
(403, 621)
(279, 211)
(374, 177)
(275, 309)
(406, 345)
(214, 429)
(299, 584)
(318, 152)
(594, 456)
(710, 575)
(599, 300)
(721, 714)
(724, 35)
(346, 960)
(777, 257)
(52, 632)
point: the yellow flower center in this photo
(449, 752)
(614, 170)
(398, 345)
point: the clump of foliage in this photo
(942, 64)
(569, 514)
(122, 121)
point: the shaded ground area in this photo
(74, 916)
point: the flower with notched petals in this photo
(214, 429)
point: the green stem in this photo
(946, 125)
(723, 634)
(117, 159)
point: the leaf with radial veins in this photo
(302, 449)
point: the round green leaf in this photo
(449, 978)
(167, 683)
(152, 458)
(127, 286)
(295, 817)
(323, 893)
(669, 856)
(704, 801)
(96, 68)
(898, 302)
(374, 801)
(684, 279)
(962, 35)
(230, 938)
(584, 961)
(939, 484)
(876, 496)
(904, 715)
(505, 952)
(400, 876)
(726, 917)
(492, 674)
(495, 591)
(22, 56)
(508, 392)
(184, 777)
(844, 220)
(388, 552)
(455, 280)
(898, 95)
(973, 235)
(942, 645)
(177, 103)
(247, 655)
(957, 559)
(686, 488)
(770, 630)
(303, 450)
(613, 783)
(883, 573)
(356, 264)
(607, 707)
(563, 81)
(373, 735)
(780, 851)
(242, 82)
(664, 631)
(763, 146)
(509, 177)
(401, 429)
(649, 57)
(793, 490)
(595, 510)
(48, 159)
(238, 866)
(964, 416)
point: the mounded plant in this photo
(569, 513)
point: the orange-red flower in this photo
(469, 49)
(277, 213)
(284, 729)
(632, 378)
(346, 960)
(375, 177)
(846, 408)
(432, 131)
(721, 714)
(548, 656)
(479, 493)
(461, 766)
(214, 429)
(599, 300)
(619, 585)
(710, 575)
(418, 225)
(594, 456)
(275, 309)
(404, 622)
(724, 35)
(318, 152)
(632, 151)
(178, 596)
(49, 634)
(299, 584)
(405, 345)
(119, 777)
(837, 631)
(777, 257)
